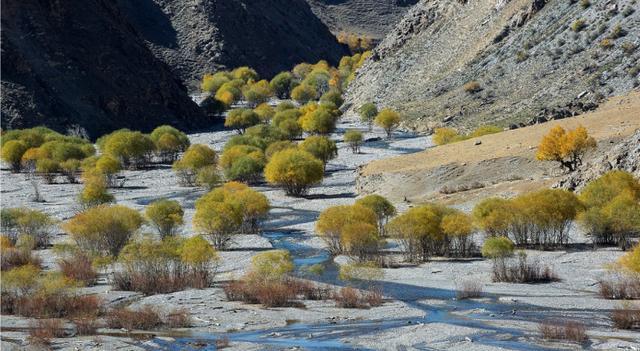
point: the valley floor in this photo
(420, 311)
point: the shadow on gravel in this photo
(330, 196)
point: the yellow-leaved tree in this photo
(565, 147)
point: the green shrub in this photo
(294, 170)
(271, 265)
(169, 142)
(497, 247)
(388, 120)
(334, 96)
(257, 93)
(611, 208)
(196, 157)
(319, 121)
(304, 93)
(354, 139)
(212, 82)
(245, 74)
(368, 112)
(265, 112)
(12, 152)
(104, 229)
(243, 163)
(47, 169)
(133, 149)
(165, 266)
(165, 216)
(208, 177)
(382, 207)
(320, 147)
(240, 119)
(24, 221)
(108, 167)
(70, 169)
(281, 84)
(333, 220)
(95, 192)
(279, 146)
(432, 230)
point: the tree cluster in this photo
(231, 209)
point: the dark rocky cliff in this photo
(196, 37)
(79, 62)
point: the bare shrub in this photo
(53, 306)
(349, 297)
(567, 331)
(159, 282)
(79, 268)
(222, 343)
(178, 318)
(626, 317)
(41, 331)
(469, 289)
(472, 87)
(622, 288)
(14, 257)
(274, 293)
(86, 325)
(374, 297)
(522, 270)
(146, 318)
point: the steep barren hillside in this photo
(528, 58)
(373, 18)
(78, 62)
(196, 37)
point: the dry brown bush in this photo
(146, 318)
(558, 330)
(41, 331)
(626, 317)
(79, 268)
(620, 288)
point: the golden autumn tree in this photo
(565, 147)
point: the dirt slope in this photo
(502, 163)
(528, 61)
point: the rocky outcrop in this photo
(196, 37)
(532, 60)
(79, 62)
(625, 156)
(372, 18)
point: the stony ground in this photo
(420, 311)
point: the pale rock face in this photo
(530, 63)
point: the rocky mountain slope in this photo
(625, 156)
(525, 60)
(372, 18)
(196, 37)
(78, 62)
